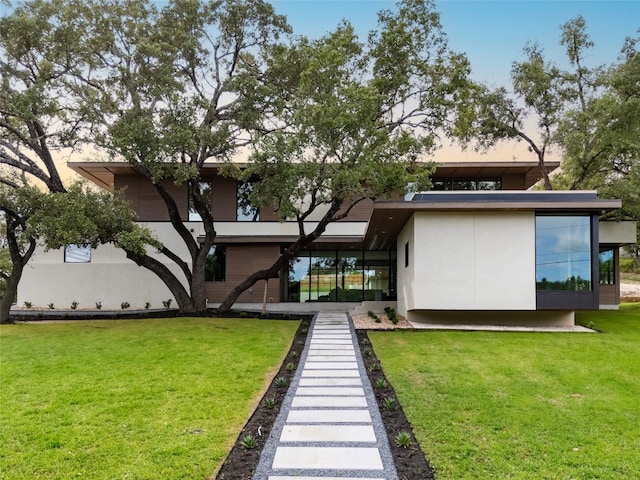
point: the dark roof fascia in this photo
(599, 206)
(236, 239)
(507, 200)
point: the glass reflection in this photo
(563, 253)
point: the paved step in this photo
(329, 426)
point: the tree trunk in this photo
(18, 261)
(10, 293)
(271, 272)
(274, 270)
(186, 303)
(543, 170)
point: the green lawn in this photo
(523, 405)
(143, 399)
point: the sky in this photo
(492, 33)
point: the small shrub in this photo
(374, 316)
(270, 403)
(391, 315)
(167, 303)
(381, 383)
(28, 304)
(378, 320)
(374, 367)
(389, 403)
(74, 305)
(293, 354)
(291, 366)
(51, 306)
(147, 305)
(99, 305)
(365, 341)
(367, 351)
(124, 305)
(280, 382)
(403, 440)
(249, 442)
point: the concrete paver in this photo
(329, 425)
(328, 416)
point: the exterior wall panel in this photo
(224, 202)
(242, 261)
(474, 261)
(406, 274)
(146, 201)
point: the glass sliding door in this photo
(341, 276)
(322, 277)
(297, 286)
(379, 276)
(350, 277)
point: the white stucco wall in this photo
(468, 261)
(110, 278)
(406, 275)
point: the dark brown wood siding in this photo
(241, 261)
(513, 182)
(223, 204)
(360, 213)
(146, 201)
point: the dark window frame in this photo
(574, 300)
(611, 275)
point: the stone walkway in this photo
(329, 426)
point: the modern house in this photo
(480, 247)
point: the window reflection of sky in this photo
(563, 248)
(298, 269)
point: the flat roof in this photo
(388, 217)
(103, 173)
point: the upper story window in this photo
(77, 254)
(563, 252)
(204, 190)
(467, 184)
(245, 211)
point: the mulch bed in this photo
(241, 463)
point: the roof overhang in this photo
(103, 173)
(530, 171)
(389, 217)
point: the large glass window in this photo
(204, 190)
(77, 254)
(350, 277)
(379, 276)
(341, 276)
(297, 288)
(322, 277)
(215, 266)
(607, 273)
(563, 252)
(245, 211)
